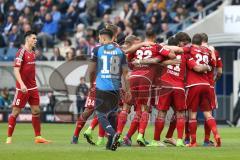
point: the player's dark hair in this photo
(204, 37)
(150, 33)
(29, 33)
(197, 39)
(172, 41)
(106, 32)
(183, 37)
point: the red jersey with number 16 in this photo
(26, 61)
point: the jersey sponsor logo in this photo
(31, 62)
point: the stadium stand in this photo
(81, 18)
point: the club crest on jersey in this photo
(18, 62)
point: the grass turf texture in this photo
(23, 147)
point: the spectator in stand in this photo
(157, 4)
(126, 13)
(80, 32)
(165, 17)
(89, 15)
(67, 22)
(82, 47)
(165, 29)
(67, 44)
(49, 4)
(71, 54)
(27, 13)
(118, 22)
(20, 4)
(154, 11)
(56, 15)
(39, 18)
(14, 37)
(56, 55)
(40, 56)
(105, 20)
(62, 6)
(81, 93)
(48, 32)
(5, 99)
(8, 25)
(181, 14)
(80, 5)
(155, 23)
(199, 8)
(12, 11)
(136, 18)
(34, 5)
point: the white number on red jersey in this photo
(143, 54)
(175, 67)
(202, 58)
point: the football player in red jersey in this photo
(181, 39)
(142, 78)
(26, 88)
(212, 81)
(198, 89)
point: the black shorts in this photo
(106, 101)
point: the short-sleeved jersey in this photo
(218, 65)
(110, 60)
(198, 56)
(146, 52)
(26, 61)
(174, 75)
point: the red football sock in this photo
(134, 124)
(79, 125)
(213, 126)
(122, 119)
(143, 122)
(36, 123)
(101, 132)
(11, 125)
(180, 127)
(193, 130)
(159, 125)
(187, 132)
(94, 122)
(171, 127)
(207, 131)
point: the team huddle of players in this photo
(180, 74)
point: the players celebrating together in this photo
(139, 74)
(179, 75)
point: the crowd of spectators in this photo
(70, 22)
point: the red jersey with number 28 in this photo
(26, 61)
(198, 56)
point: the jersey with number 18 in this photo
(110, 59)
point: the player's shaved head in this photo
(204, 37)
(197, 39)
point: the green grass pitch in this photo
(23, 147)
